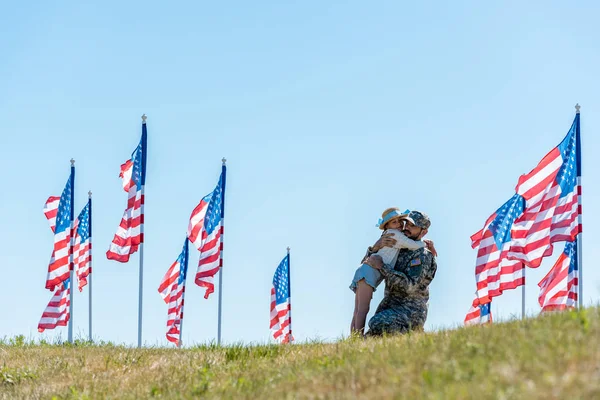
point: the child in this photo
(366, 279)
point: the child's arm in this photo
(402, 242)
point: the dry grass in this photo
(556, 356)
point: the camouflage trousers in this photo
(399, 319)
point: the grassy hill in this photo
(554, 356)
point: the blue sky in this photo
(327, 112)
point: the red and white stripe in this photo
(494, 272)
(51, 209)
(57, 311)
(130, 231)
(280, 319)
(58, 268)
(173, 294)
(558, 289)
(474, 316)
(547, 217)
(210, 246)
(82, 258)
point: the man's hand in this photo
(429, 245)
(375, 261)
(384, 241)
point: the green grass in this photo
(549, 357)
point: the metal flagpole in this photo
(71, 265)
(141, 281)
(223, 173)
(143, 199)
(289, 293)
(579, 201)
(523, 294)
(181, 316)
(90, 266)
(185, 265)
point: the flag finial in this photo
(223, 160)
(577, 107)
(72, 162)
(288, 249)
(144, 118)
(90, 194)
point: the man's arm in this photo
(386, 240)
(421, 278)
(367, 255)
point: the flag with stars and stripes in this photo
(479, 314)
(82, 247)
(281, 309)
(544, 210)
(494, 271)
(205, 231)
(558, 289)
(130, 233)
(57, 310)
(59, 212)
(172, 290)
(551, 196)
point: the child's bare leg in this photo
(353, 323)
(364, 294)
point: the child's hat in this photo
(389, 214)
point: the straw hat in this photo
(390, 214)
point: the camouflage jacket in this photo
(409, 278)
(405, 301)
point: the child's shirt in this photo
(390, 254)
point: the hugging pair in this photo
(395, 237)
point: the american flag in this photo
(551, 196)
(82, 248)
(172, 290)
(544, 210)
(130, 233)
(57, 311)
(59, 212)
(558, 289)
(479, 314)
(494, 272)
(205, 231)
(281, 309)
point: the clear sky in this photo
(327, 112)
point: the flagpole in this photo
(223, 172)
(185, 265)
(580, 202)
(181, 316)
(71, 266)
(90, 266)
(523, 294)
(289, 293)
(141, 281)
(141, 247)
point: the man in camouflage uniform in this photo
(405, 301)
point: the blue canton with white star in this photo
(485, 309)
(571, 252)
(136, 174)
(83, 229)
(567, 174)
(281, 281)
(183, 263)
(213, 213)
(505, 218)
(63, 216)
